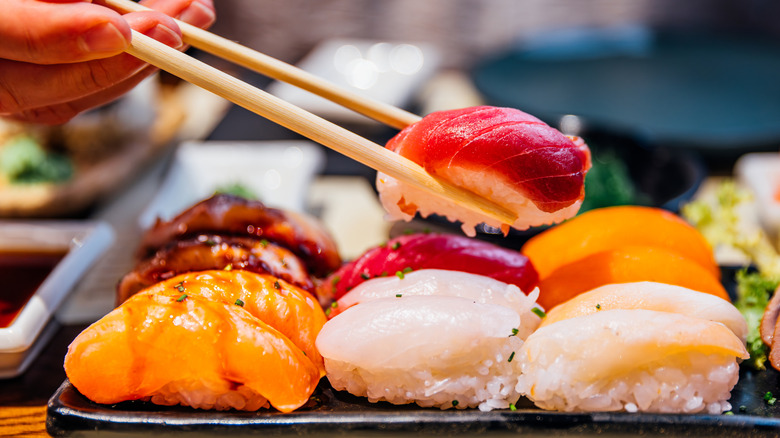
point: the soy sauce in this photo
(21, 273)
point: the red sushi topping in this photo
(433, 251)
(544, 165)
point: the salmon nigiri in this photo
(293, 312)
(189, 351)
(503, 154)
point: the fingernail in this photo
(104, 37)
(166, 35)
(197, 14)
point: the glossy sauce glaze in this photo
(21, 274)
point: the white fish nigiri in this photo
(433, 350)
(650, 295)
(633, 360)
(438, 282)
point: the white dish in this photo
(82, 243)
(390, 72)
(760, 172)
(278, 172)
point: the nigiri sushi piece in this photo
(437, 282)
(189, 351)
(232, 215)
(631, 360)
(437, 251)
(442, 351)
(293, 312)
(502, 154)
(649, 295)
(211, 251)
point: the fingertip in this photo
(158, 26)
(105, 39)
(199, 13)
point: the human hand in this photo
(59, 58)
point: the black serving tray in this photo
(331, 412)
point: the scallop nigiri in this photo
(293, 312)
(433, 251)
(437, 282)
(503, 154)
(632, 360)
(190, 351)
(448, 352)
(649, 295)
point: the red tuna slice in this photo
(544, 166)
(434, 251)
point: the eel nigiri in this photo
(442, 351)
(232, 215)
(190, 351)
(433, 251)
(632, 360)
(210, 251)
(503, 154)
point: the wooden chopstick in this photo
(276, 69)
(309, 125)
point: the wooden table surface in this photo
(23, 399)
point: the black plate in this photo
(71, 414)
(716, 93)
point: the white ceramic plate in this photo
(83, 243)
(278, 172)
(760, 172)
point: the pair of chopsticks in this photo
(290, 116)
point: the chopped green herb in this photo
(598, 306)
(398, 295)
(179, 286)
(229, 267)
(384, 274)
(277, 285)
(304, 353)
(365, 276)
(399, 274)
(181, 298)
(512, 407)
(334, 304)
(237, 189)
(239, 303)
(728, 413)
(264, 242)
(539, 312)
(327, 311)
(408, 270)
(210, 242)
(454, 403)
(769, 398)
(511, 356)
(514, 332)
(396, 245)
(335, 280)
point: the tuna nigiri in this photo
(433, 251)
(190, 351)
(503, 154)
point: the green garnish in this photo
(514, 332)
(743, 408)
(264, 243)
(365, 276)
(277, 285)
(384, 274)
(24, 161)
(210, 242)
(398, 295)
(179, 286)
(396, 245)
(407, 270)
(511, 356)
(334, 304)
(728, 413)
(454, 403)
(335, 280)
(598, 306)
(237, 189)
(539, 312)
(239, 303)
(399, 274)
(769, 398)
(229, 267)
(327, 311)
(512, 407)
(181, 298)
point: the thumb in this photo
(57, 33)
